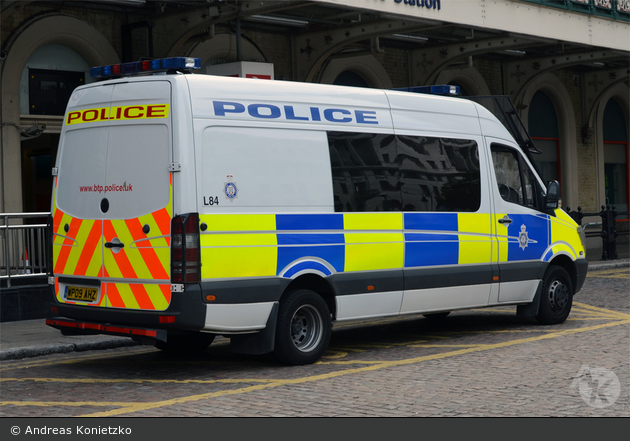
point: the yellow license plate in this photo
(81, 294)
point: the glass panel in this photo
(507, 171)
(533, 192)
(50, 90)
(364, 171)
(82, 172)
(138, 180)
(439, 174)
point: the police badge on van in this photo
(230, 189)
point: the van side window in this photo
(364, 172)
(384, 172)
(439, 174)
(515, 179)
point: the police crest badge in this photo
(523, 238)
(230, 189)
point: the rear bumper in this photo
(73, 327)
(186, 312)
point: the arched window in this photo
(49, 77)
(543, 129)
(350, 78)
(616, 156)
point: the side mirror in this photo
(552, 199)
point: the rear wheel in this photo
(556, 297)
(303, 329)
(185, 343)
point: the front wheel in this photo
(304, 328)
(556, 297)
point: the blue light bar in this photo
(445, 89)
(181, 64)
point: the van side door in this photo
(522, 227)
(447, 223)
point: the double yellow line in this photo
(618, 318)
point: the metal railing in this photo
(606, 229)
(23, 246)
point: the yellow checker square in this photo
(238, 240)
(231, 262)
(239, 222)
(374, 256)
(474, 249)
(373, 221)
(475, 237)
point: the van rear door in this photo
(113, 176)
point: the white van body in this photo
(310, 203)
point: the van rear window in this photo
(125, 164)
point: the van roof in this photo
(410, 111)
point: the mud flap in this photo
(259, 343)
(530, 310)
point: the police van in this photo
(188, 206)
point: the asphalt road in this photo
(482, 362)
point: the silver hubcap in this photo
(306, 328)
(558, 295)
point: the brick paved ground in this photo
(475, 363)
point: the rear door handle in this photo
(505, 220)
(114, 245)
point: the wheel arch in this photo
(315, 283)
(569, 265)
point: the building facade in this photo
(563, 63)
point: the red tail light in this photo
(185, 249)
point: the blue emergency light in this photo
(147, 66)
(445, 89)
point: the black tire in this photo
(185, 343)
(303, 329)
(436, 316)
(556, 297)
